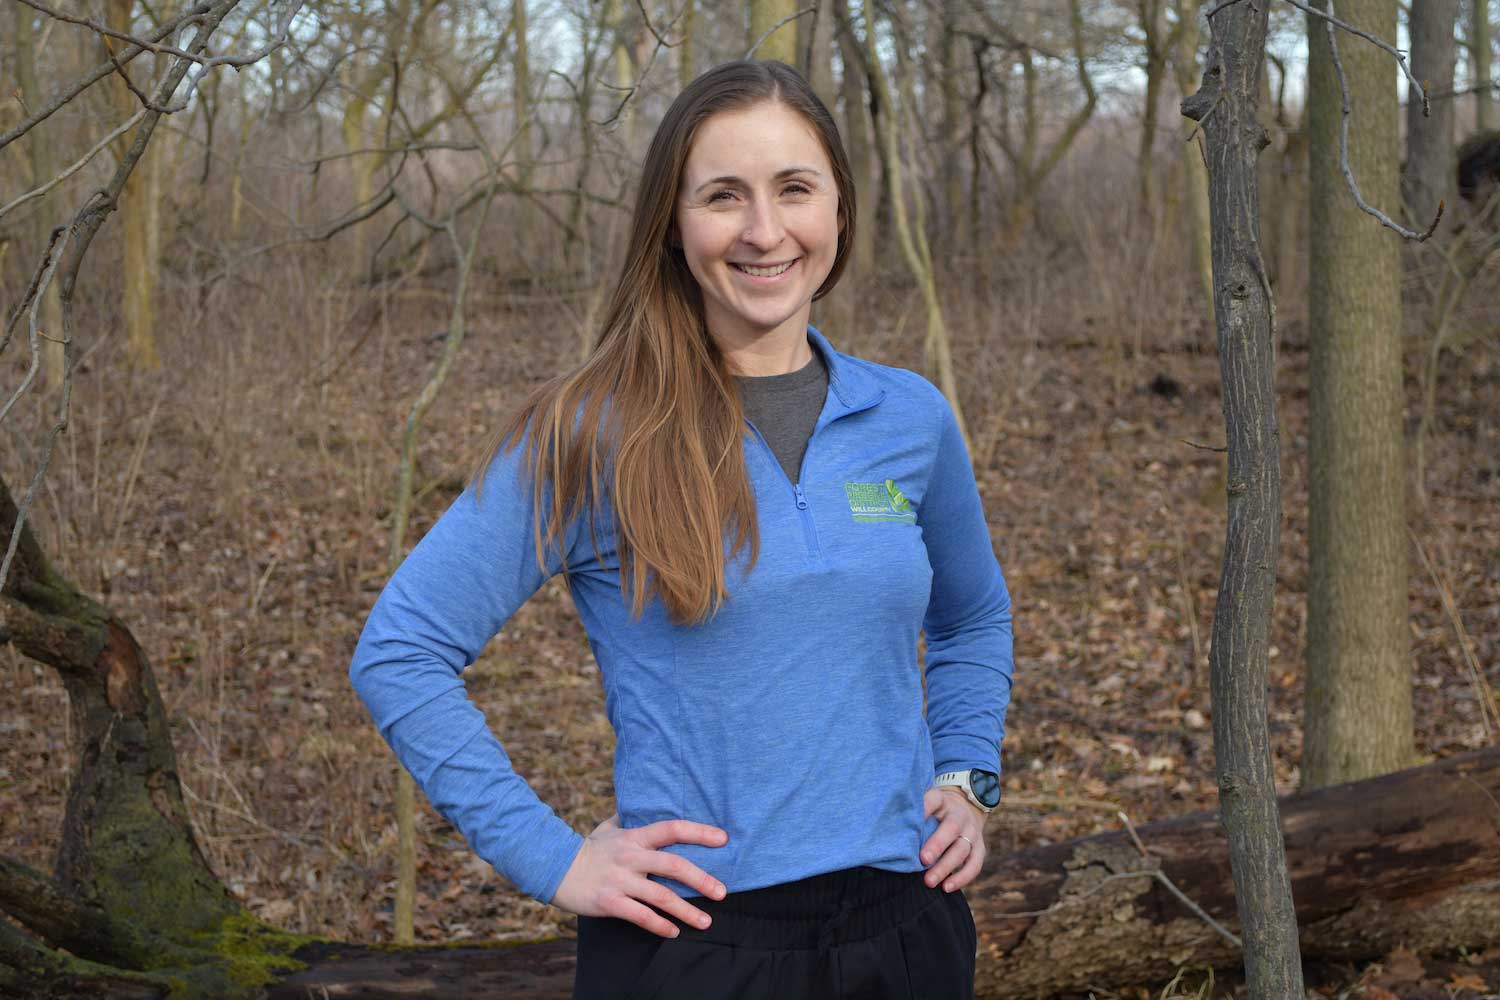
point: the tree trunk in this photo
(132, 889)
(1428, 175)
(1149, 14)
(937, 349)
(1195, 173)
(39, 146)
(1480, 66)
(1225, 107)
(1273, 194)
(136, 272)
(1408, 859)
(685, 72)
(1358, 714)
(523, 154)
(815, 41)
(953, 120)
(857, 135)
(781, 44)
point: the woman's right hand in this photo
(608, 876)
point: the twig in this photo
(100, 29)
(1333, 49)
(98, 73)
(646, 18)
(1329, 17)
(1171, 887)
(38, 192)
(1205, 447)
(1482, 692)
(772, 29)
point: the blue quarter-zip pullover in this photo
(793, 718)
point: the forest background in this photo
(254, 328)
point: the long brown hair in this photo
(655, 404)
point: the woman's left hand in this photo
(957, 860)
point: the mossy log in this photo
(133, 909)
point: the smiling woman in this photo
(758, 224)
(755, 529)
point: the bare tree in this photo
(1030, 161)
(1194, 166)
(914, 247)
(1428, 175)
(1239, 655)
(1358, 712)
(1481, 63)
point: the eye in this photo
(797, 187)
(725, 193)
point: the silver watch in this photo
(981, 786)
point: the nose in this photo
(763, 228)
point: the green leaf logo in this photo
(899, 503)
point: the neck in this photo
(774, 352)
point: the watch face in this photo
(986, 786)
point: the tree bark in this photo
(132, 890)
(1428, 175)
(765, 15)
(522, 88)
(136, 270)
(1358, 713)
(1481, 70)
(857, 131)
(1225, 107)
(1195, 171)
(39, 146)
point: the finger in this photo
(680, 869)
(668, 901)
(952, 857)
(642, 916)
(683, 831)
(941, 839)
(967, 872)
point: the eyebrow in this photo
(780, 175)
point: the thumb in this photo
(931, 799)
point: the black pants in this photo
(857, 934)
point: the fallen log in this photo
(1411, 858)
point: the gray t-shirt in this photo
(784, 409)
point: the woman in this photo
(754, 528)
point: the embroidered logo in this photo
(879, 502)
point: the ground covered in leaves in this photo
(233, 511)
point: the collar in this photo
(852, 383)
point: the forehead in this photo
(754, 142)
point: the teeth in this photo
(765, 272)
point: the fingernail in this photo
(719, 892)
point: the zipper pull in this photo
(801, 499)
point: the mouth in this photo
(765, 272)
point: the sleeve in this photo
(968, 622)
(441, 607)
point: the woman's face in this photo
(757, 214)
